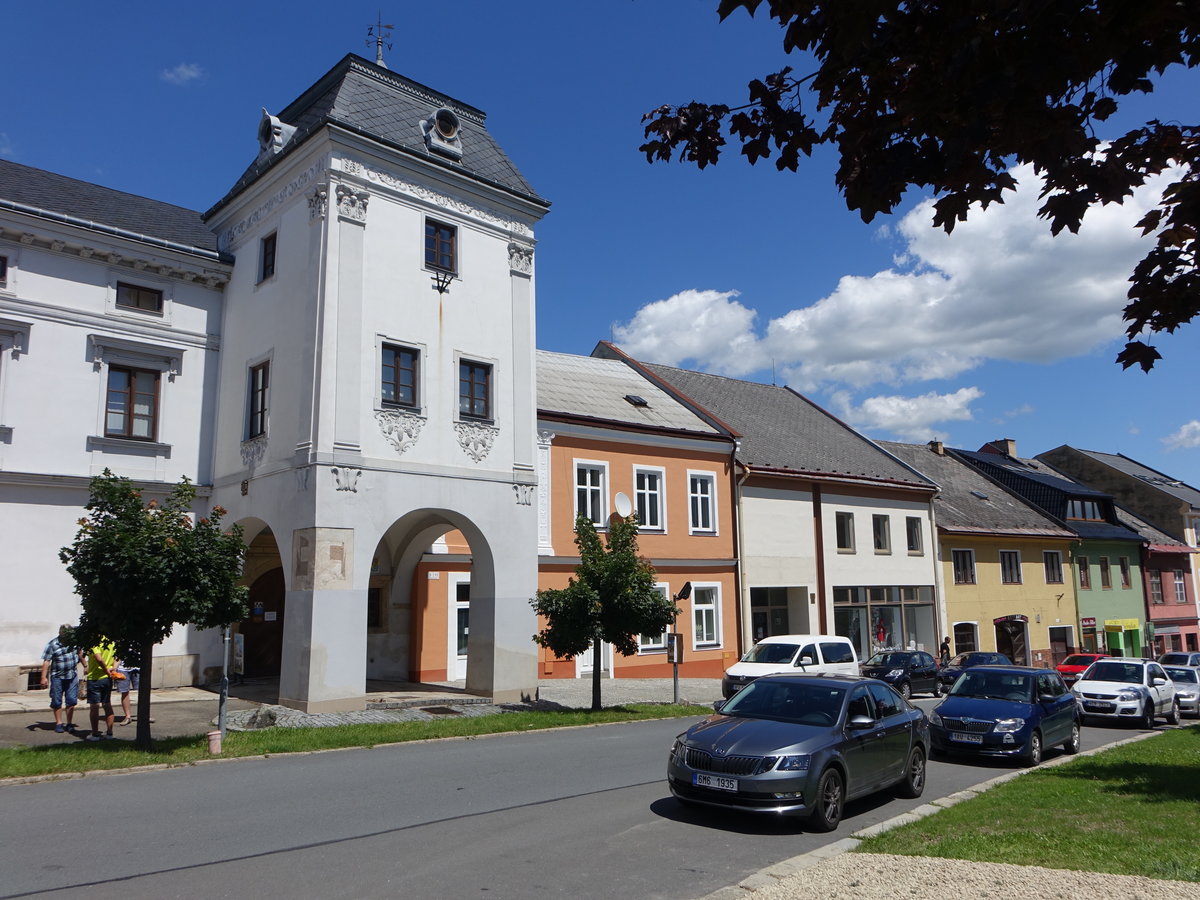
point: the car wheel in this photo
(831, 796)
(1173, 715)
(1072, 745)
(1148, 714)
(912, 785)
(1033, 753)
(905, 690)
(937, 688)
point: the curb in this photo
(772, 875)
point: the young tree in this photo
(612, 599)
(141, 569)
(949, 94)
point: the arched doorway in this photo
(262, 631)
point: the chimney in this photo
(1003, 445)
(938, 447)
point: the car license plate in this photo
(714, 781)
(966, 738)
(1098, 705)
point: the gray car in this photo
(802, 745)
(1187, 688)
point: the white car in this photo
(797, 654)
(1132, 689)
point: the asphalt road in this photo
(580, 813)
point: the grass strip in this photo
(61, 759)
(1129, 810)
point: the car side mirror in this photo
(718, 705)
(1158, 682)
(1046, 697)
(804, 661)
(860, 722)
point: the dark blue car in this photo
(1006, 711)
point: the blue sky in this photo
(995, 331)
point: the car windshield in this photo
(995, 686)
(977, 659)
(1079, 660)
(1183, 675)
(770, 653)
(888, 659)
(1130, 673)
(813, 703)
(1176, 659)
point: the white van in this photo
(807, 653)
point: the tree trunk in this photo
(597, 664)
(145, 681)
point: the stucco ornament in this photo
(475, 438)
(400, 427)
(352, 204)
(524, 494)
(520, 258)
(346, 478)
(254, 450)
(318, 200)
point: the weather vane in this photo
(378, 35)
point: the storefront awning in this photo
(1121, 625)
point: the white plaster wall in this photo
(778, 542)
(865, 566)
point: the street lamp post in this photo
(675, 642)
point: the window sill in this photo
(127, 445)
(705, 533)
(846, 550)
(879, 552)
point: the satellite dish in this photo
(623, 505)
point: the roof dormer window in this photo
(273, 134)
(441, 132)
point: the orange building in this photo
(609, 442)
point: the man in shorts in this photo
(60, 670)
(101, 666)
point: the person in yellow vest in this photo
(101, 667)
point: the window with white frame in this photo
(1010, 566)
(706, 616)
(648, 491)
(131, 406)
(1052, 564)
(653, 642)
(881, 531)
(1180, 586)
(702, 502)
(912, 528)
(1126, 572)
(135, 378)
(590, 491)
(844, 525)
(1156, 587)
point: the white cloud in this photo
(1024, 409)
(6, 145)
(910, 418)
(1000, 287)
(710, 327)
(184, 73)
(1185, 438)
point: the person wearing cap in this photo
(60, 671)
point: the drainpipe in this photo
(743, 616)
(819, 537)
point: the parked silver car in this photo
(802, 745)
(1187, 688)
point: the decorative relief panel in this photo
(524, 494)
(318, 200)
(520, 258)
(346, 478)
(254, 450)
(352, 204)
(355, 168)
(400, 427)
(475, 438)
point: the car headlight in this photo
(678, 751)
(1186, 695)
(1126, 696)
(895, 673)
(797, 763)
(935, 719)
(1010, 725)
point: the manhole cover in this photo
(441, 711)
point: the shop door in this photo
(262, 631)
(1011, 641)
(460, 625)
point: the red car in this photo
(1075, 664)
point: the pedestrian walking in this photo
(60, 670)
(130, 670)
(944, 654)
(101, 667)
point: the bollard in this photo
(214, 742)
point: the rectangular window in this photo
(266, 257)
(655, 641)
(1126, 572)
(1052, 563)
(130, 296)
(881, 531)
(912, 527)
(964, 566)
(475, 390)
(845, 531)
(1085, 573)
(131, 408)
(701, 501)
(1084, 509)
(706, 616)
(440, 246)
(648, 487)
(1180, 587)
(398, 385)
(260, 387)
(1010, 566)
(1105, 574)
(590, 492)
(965, 637)
(1156, 587)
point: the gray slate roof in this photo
(1148, 532)
(970, 502)
(1165, 483)
(361, 96)
(593, 388)
(93, 205)
(780, 429)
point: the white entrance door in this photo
(459, 620)
(584, 662)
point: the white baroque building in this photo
(340, 352)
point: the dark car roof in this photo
(1012, 670)
(823, 677)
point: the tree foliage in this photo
(947, 95)
(612, 598)
(140, 569)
